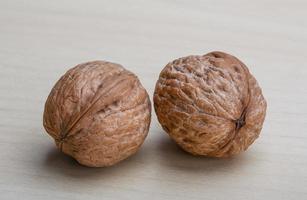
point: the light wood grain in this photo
(40, 40)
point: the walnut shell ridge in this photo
(210, 105)
(98, 113)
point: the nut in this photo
(210, 105)
(98, 113)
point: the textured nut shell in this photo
(210, 105)
(98, 113)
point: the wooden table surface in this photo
(40, 40)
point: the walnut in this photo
(98, 113)
(210, 105)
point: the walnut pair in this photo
(211, 105)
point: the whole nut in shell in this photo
(98, 113)
(210, 105)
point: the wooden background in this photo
(40, 40)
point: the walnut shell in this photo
(210, 105)
(98, 113)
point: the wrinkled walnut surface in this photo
(210, 105)
(98, 113)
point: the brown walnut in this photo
(210, 105)
(98, 113)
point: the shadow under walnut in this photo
(57, 163)
(173, 157)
